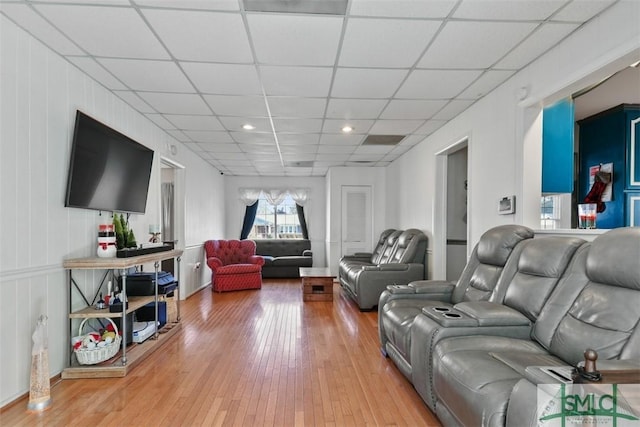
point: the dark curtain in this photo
(249, 218)
(303, 222)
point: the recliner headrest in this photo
(408, 235)
(496, 244)
(548, 256)
(614, 258)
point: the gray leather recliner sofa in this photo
(400, 304)
(398, 259)
(481, 365)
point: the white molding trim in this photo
(30, 272)
(632, 210)
(632, 153)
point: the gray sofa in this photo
(398, 258)
(478, 362)
(284, 257)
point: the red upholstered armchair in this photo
(234, 264)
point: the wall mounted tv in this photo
(108, 170)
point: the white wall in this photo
(314, 209)
(496, 127)
(40, 93)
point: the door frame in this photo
(440, 207)
(179, 199)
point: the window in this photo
(276, 222)
(550, 212)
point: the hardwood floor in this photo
(249, 358)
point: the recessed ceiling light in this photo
(248, 127)
(347, 129)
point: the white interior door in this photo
(356, 235)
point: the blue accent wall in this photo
(557, 147)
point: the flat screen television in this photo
(108, 171)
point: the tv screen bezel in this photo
(116, 135)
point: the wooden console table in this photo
(118, 366)
(317, 284)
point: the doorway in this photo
(456, 213)
(172, 206)
(451, 212)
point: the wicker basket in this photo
(92, 356)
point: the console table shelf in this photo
(119, 365)
(133, 304)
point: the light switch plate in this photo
(507, 205)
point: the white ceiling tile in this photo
(296, 81)
(240, 158)
(464, 44)
(209, 136)
(402, 8)
(365, 157)
(298, 138)
(134, 100)
(96, 71)
(366, 83)
(191, 4)
(159, 120)
(538, 10)
(340, 139)
(215, 147)
(262, 125)
(412, 109)
(427, 129)
(297, 125)
(295, 149)
(245, 137)
(336, 125)
(395, 127)
(261, 152)
(189, 122)
(486, 83)
(179, 135)
(374, 42)
(148, 75)
(228, 105)
(436, 84)
(175, 103)
(193, 146)
(333, 157)
(355, 108)
(202, 36)
(295, 39)
(452, 109)
(32, 22)
(536, 44)
(296, 107)
(223, 79)
(336, 149)
(84, 2)
(582, 10)
(82, 24)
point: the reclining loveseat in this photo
(479, 362)
(398, 258)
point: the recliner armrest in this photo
(386, 267)
(492, 314)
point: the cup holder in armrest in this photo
(449, 317)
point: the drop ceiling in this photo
(201, 69)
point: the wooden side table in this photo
(317, 284)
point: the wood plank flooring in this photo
(249, 358)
